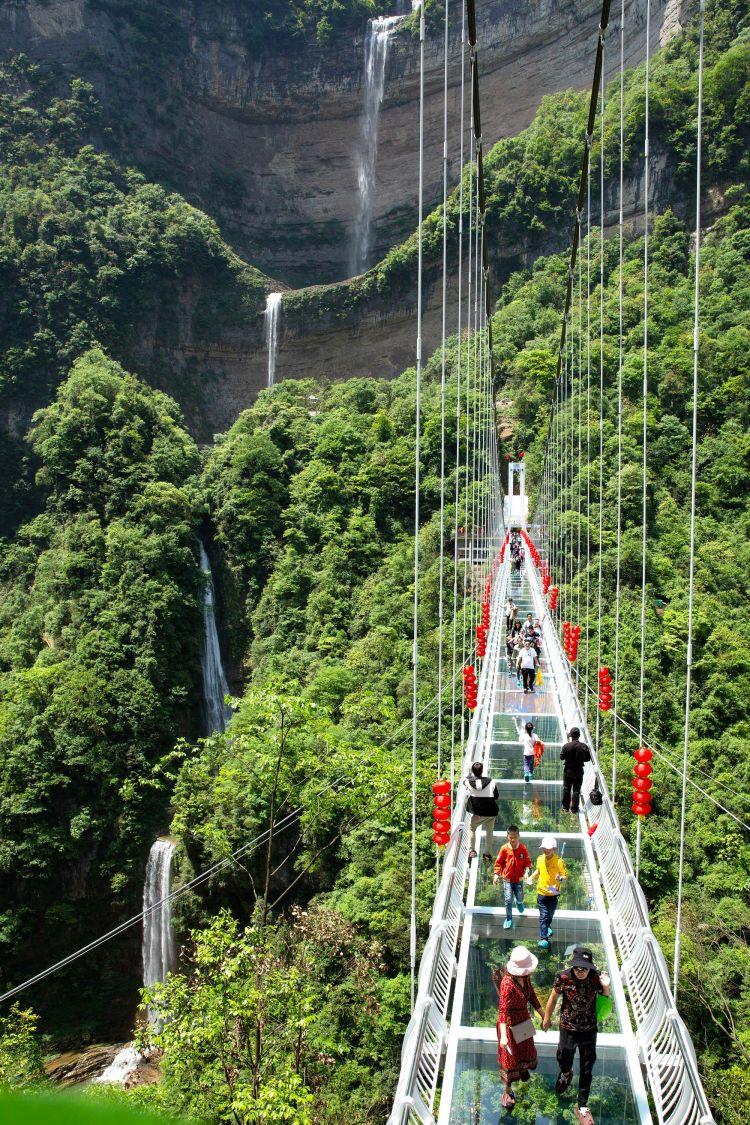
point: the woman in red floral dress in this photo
(516, 1053)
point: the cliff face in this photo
(267, 141)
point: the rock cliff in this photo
(266, 141)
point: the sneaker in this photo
(520, 907)
(527, 778)
(583, 1114)
(550, 933)
(472, 855)
(563, 1081)
(543, 944)
(508, 924)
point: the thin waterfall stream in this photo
(379, 32)
(272, 317)
(215, 689)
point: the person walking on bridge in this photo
(550, 874)
(511, 612)
(528, 662)
(481, 801)
(579, 986)
(512, 863)
(516, 1050)
(574, 756)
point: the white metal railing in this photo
(427, 1031)
(663, 1040)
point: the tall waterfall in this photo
(159, 956)
(272, 316)
(217, 714)
(379, 32)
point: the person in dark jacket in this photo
(578, 986)
(481, 801)
(574, 756)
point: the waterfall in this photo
(217, 714)
(158, 941)
(379, 32)
(272, 316)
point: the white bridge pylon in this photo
(516, 507)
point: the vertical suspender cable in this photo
(693, 481)
(459, 353)
(619, 399)
(601, 393)
(441, 580)
(644, 481)
(588, 420)
(417, 454)
(580, 457)
(467, 409)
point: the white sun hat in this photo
(547, 842)
(521, 962)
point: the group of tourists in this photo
(515, 546)
(523, 646)
(578, 985)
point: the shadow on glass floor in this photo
(576, 893)
(477, 1089)
(506, 762)
(491, 946)
(505, 729)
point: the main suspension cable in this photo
(417, 454)
(693, 484)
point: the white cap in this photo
(547, 842)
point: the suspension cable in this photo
(644, 467)
(620, 230)
(417, 454)
(693, 482)
(441, 579)
(601, 393)
(459, 353)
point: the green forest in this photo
(295, 957)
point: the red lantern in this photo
(441, 812)
(642, 783)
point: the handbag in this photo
(520, 1032)
(603, 1006)
(595, 796)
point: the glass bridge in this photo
(646, 1069)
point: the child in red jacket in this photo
(512, 863)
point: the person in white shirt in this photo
(528, 740)
(528, 662)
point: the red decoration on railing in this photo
(571, 637)
(441, 812)
(642, 783)
(470, 686)
(554, 594)
(605, 689)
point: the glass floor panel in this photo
(477, 1089)
(514, 701)
(547, 726)
(491, 946)
(533, 807)
(506, 762)
(577, 890)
